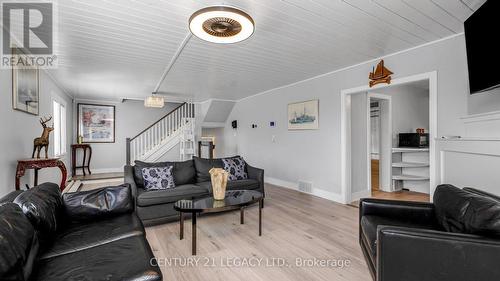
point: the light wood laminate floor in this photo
(295, 225)
(403, 195)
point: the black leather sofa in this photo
(93, 235)
(192, 180)
(456, 238)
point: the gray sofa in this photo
(192, 180)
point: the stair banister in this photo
(151, 138)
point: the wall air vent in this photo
(305, 186)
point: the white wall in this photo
(315, 155)
(410, 109)
(131, 118)
(484, 102)
(19, 129)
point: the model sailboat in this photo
(380, 75)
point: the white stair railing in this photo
(160, 132)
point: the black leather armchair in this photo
(419, 254)
(406, 241)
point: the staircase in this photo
(175, 128)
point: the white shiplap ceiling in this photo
(119, 48)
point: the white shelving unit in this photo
(409, 165)
(409, 149)
(409, 178)
(410, 168)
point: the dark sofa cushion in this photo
(248, 184)
(102, 202)
(18, 244)
(124, 259)
(187, 191)
(157, 214)
(461, 211)
(184, 172)
(203, 166)
(42, 205)
(370, 225)
(79, 236)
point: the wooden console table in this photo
(74, 148)
(37, 164)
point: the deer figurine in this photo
(42, 141)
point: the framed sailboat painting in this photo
(303, 115)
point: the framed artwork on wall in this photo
(303, 115)
(96, 123)
(25, 89)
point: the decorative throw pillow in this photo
(236, 168)
(158, 178)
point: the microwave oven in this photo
(413, 140)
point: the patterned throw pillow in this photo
(158, 178)
(236, 168)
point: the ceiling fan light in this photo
(154, 101)
(221, 24)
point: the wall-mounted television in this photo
(483, 51)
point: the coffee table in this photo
(234, 200)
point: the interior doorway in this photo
(375, 164)
(380, 141)
(212, 139)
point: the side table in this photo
(37, 164)
(84, 147)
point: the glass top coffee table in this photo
(234, 200)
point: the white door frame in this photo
(345, 172)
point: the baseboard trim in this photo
(360, 194)
(287, 184)
(106, 170)
(335, 197)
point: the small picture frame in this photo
(303, 115)
(96, 123)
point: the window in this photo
(59, 117)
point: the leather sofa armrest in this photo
(413, 211)
(9, 198)
(97, 203)
(129, 178)
(257, 174)
(417, 254)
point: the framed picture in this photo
(25, 89)
(96, 123)
(303, 115)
